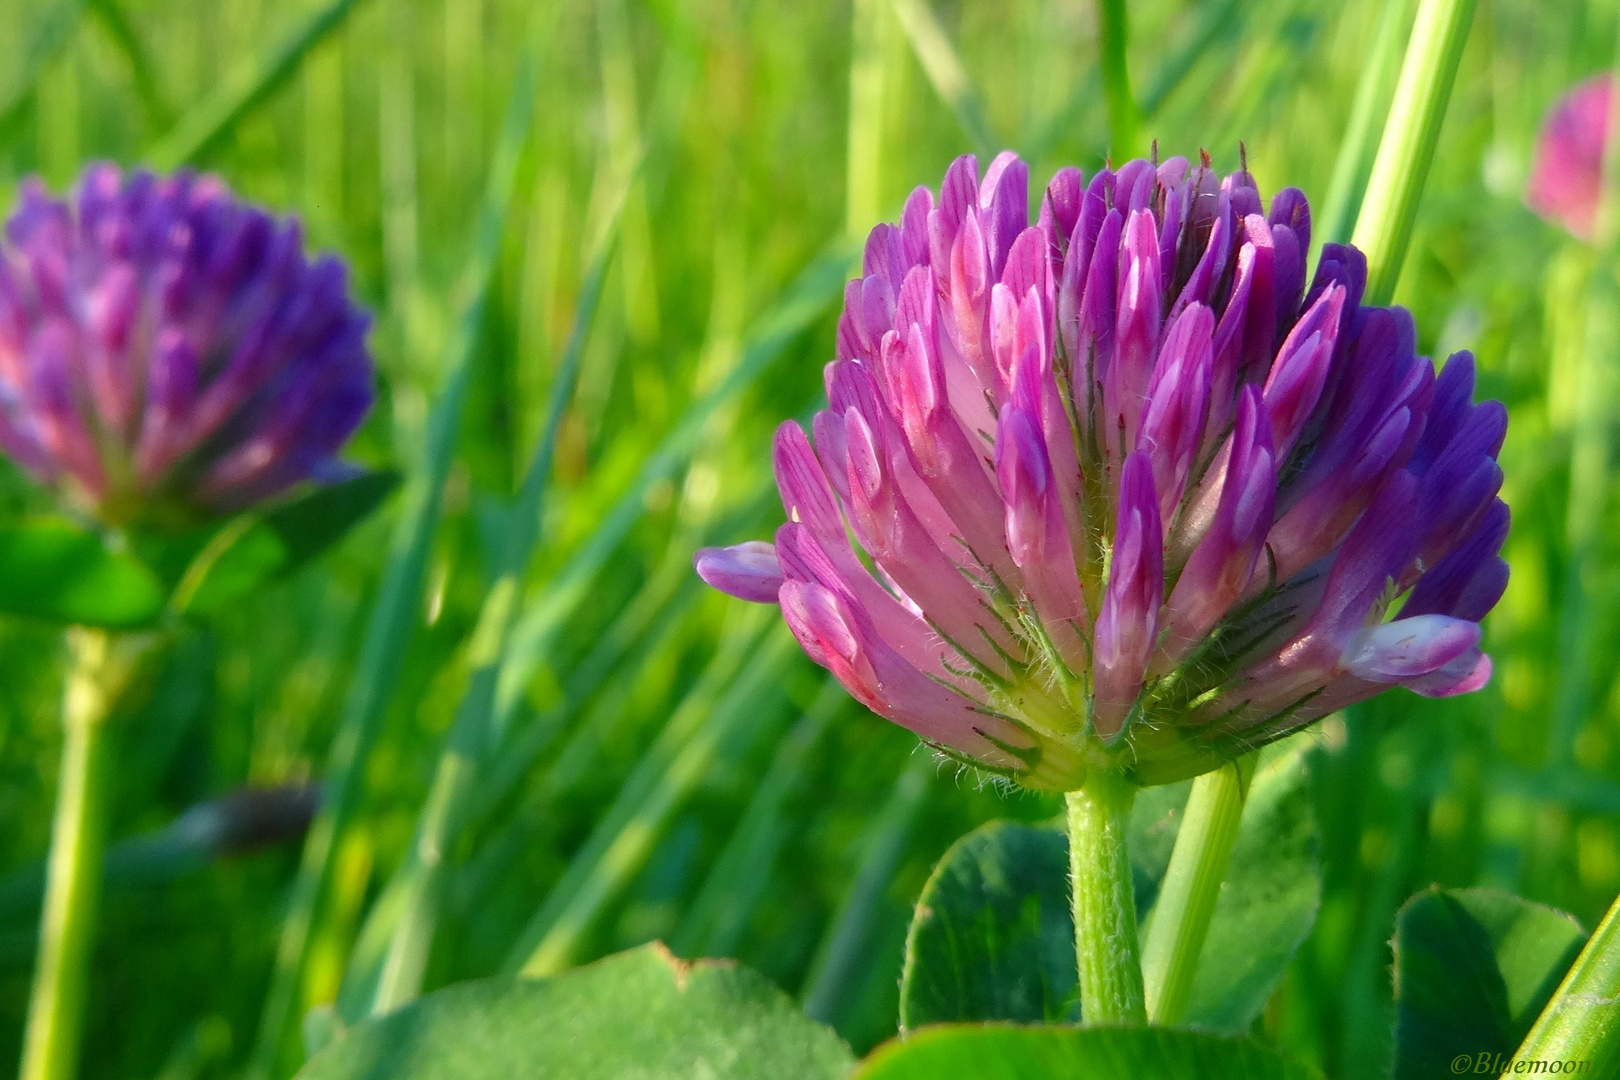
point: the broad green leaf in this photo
(638, 1015)
(310, 524)
(57, 571)
(1268, 902)
(992, 937)
(997, 1052)
(1473, 968)
(1534, 946)
(248, 552)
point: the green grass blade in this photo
(648, 624)
(394, 618)
(1216, 20)
(203, 126)
(863, 176)
(1384, 225)
(54, 31)
(1124, 119)
(845, 945)
(804, 302)
(441, 815)
(1355, 160)
(946, 74)
(143, 77)
(714, 923)
(756, 647)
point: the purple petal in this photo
(749, 571)
(1408, 647)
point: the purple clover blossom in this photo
(168, 353)
(1566, 181)
(1133, 495)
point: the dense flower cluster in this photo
(167, 351)
(1131, 494)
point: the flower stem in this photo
(1104, 901)
(1384, 225)
(1581, 1022)
(1123, 116)
(1175, 936)
(73, 873)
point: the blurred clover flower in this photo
(167, 352)
(1566, 181)
(1133, 496)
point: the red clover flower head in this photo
(1566, 180)
(1133, 494)
(167, 351)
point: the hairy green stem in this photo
(1384, 225)
(73, 872)
(1582, 1022)
(1104, 901)
(1175, 936)
(1123, 116)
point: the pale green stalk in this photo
(1124, 118)
(394, 618)
(1355, 158)
(67, 926)
(1582, 1021)
(1389, 208)
(1104, 901)
(1192, 884)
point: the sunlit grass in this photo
(715, 318)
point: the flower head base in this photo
(167, 352)
(1134, 497)
(1566, 182)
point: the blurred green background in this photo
(751, 134)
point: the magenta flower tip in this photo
(168, 352)
(1130, 492)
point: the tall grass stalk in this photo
(1368, 110)
(715, 921)
(1191, 885)
(438, 825)
(1124, 117)
(399, 600)
(700, 733)
(1389, 207)
(1589, 459)
(845, 946)
(946, 73)
(248, 86)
